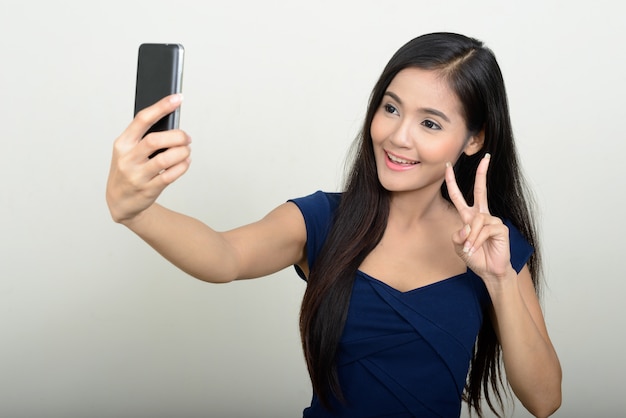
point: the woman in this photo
(419, 275)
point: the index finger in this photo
(456, 196)
(480, 185)
(151, 115)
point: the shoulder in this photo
(319, 201)
(521, 250)
(318, 210)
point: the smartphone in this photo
(159, 74)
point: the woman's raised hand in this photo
(483, 242)
(135, 181)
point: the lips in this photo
(399, 160)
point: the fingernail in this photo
(471, 252)
(466, 247)
(487, 155)
(448, 164)
(176, 98)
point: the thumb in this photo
(147, 117)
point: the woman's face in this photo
(417, 128)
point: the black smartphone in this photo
(159, 74)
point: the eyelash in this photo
(429, 124)
(389, 108)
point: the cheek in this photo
(377, 129)
(445, 149)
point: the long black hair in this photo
(473, 73)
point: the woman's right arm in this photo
(135, 181)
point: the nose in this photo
(402, 136)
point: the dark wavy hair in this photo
(473, 73)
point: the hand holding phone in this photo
(159, 74)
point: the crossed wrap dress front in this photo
(402, 354)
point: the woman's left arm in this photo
(530, 361)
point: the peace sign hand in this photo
(483, 242)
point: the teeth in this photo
(399, 160)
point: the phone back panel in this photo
(159, 74)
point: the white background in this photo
(93, 323)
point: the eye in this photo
(431, 125)
(389, 108)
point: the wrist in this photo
(135, 221)
(500, 284)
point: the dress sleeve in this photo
(318, 210)
(521, 250)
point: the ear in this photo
(475, 143)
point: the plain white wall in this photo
(93, 323)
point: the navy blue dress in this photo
(403, 354)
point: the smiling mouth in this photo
(398, 160)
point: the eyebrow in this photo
(428, 110)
